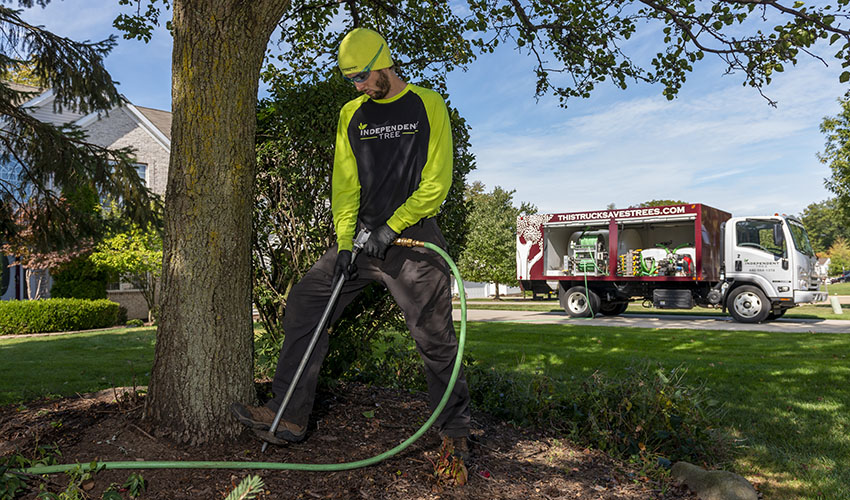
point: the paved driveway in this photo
(669, 321)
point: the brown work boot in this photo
(260, 418)
(456, 446)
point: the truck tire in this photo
(748, 304)
(613, 308)
(574, 302)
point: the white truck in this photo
(670, 257)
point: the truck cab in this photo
(768, 267)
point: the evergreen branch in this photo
(247, 489)
(74, 70)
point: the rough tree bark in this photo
(203, 358)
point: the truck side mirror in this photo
(778, 236)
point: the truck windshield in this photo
(801, 237)
(764, 235)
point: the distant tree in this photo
(489, 254)
(839, 255)
(41, 257)
(825, 222)
(134, 255)
(23, 74)
(659, 203)
(46, 166)
(836, 153)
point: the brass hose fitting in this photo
(408, 242)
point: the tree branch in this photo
(794, 12)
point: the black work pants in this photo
(418, 279)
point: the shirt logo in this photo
(387, 131)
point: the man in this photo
(392, 171)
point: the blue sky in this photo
(718, 143)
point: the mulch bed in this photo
(508, 463)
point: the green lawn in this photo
(786, 392)
(838, 289)
(64, 365)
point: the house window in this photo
(142, 170)
(10, 173)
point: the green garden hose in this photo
(51, 469)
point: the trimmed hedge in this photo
(56, 315)
(79, 279)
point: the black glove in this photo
(344, 266)
(379, 241)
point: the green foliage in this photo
(55, 315)
(659, 203)
(135, 323)
(79, 279)
(293, 223)
(836, 154)
(393, 362)
(135, 485)
(247, 489)
(11, 485)
(648, 413)
(134, 255)
(825, 222)
(839, 254)
(490, 251)
(578, 44)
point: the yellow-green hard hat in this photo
(360, 47)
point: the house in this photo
(822, 267)
(479, 290)
(146, 130)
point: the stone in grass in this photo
(713, 484)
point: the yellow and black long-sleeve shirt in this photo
(393, 161)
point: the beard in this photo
(383, 85)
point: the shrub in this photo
(79, 279)
(649, 412)
(56, 315)
(134, 323)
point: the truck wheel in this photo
(613, 308)
(574, 302)
(747, 304)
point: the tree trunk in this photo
(204, 360)
(497, 290)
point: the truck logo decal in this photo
(529, 235)
(621, 214)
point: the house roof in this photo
(160, 119)
(20, 87)
(823, 260)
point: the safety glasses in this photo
(364, 75)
